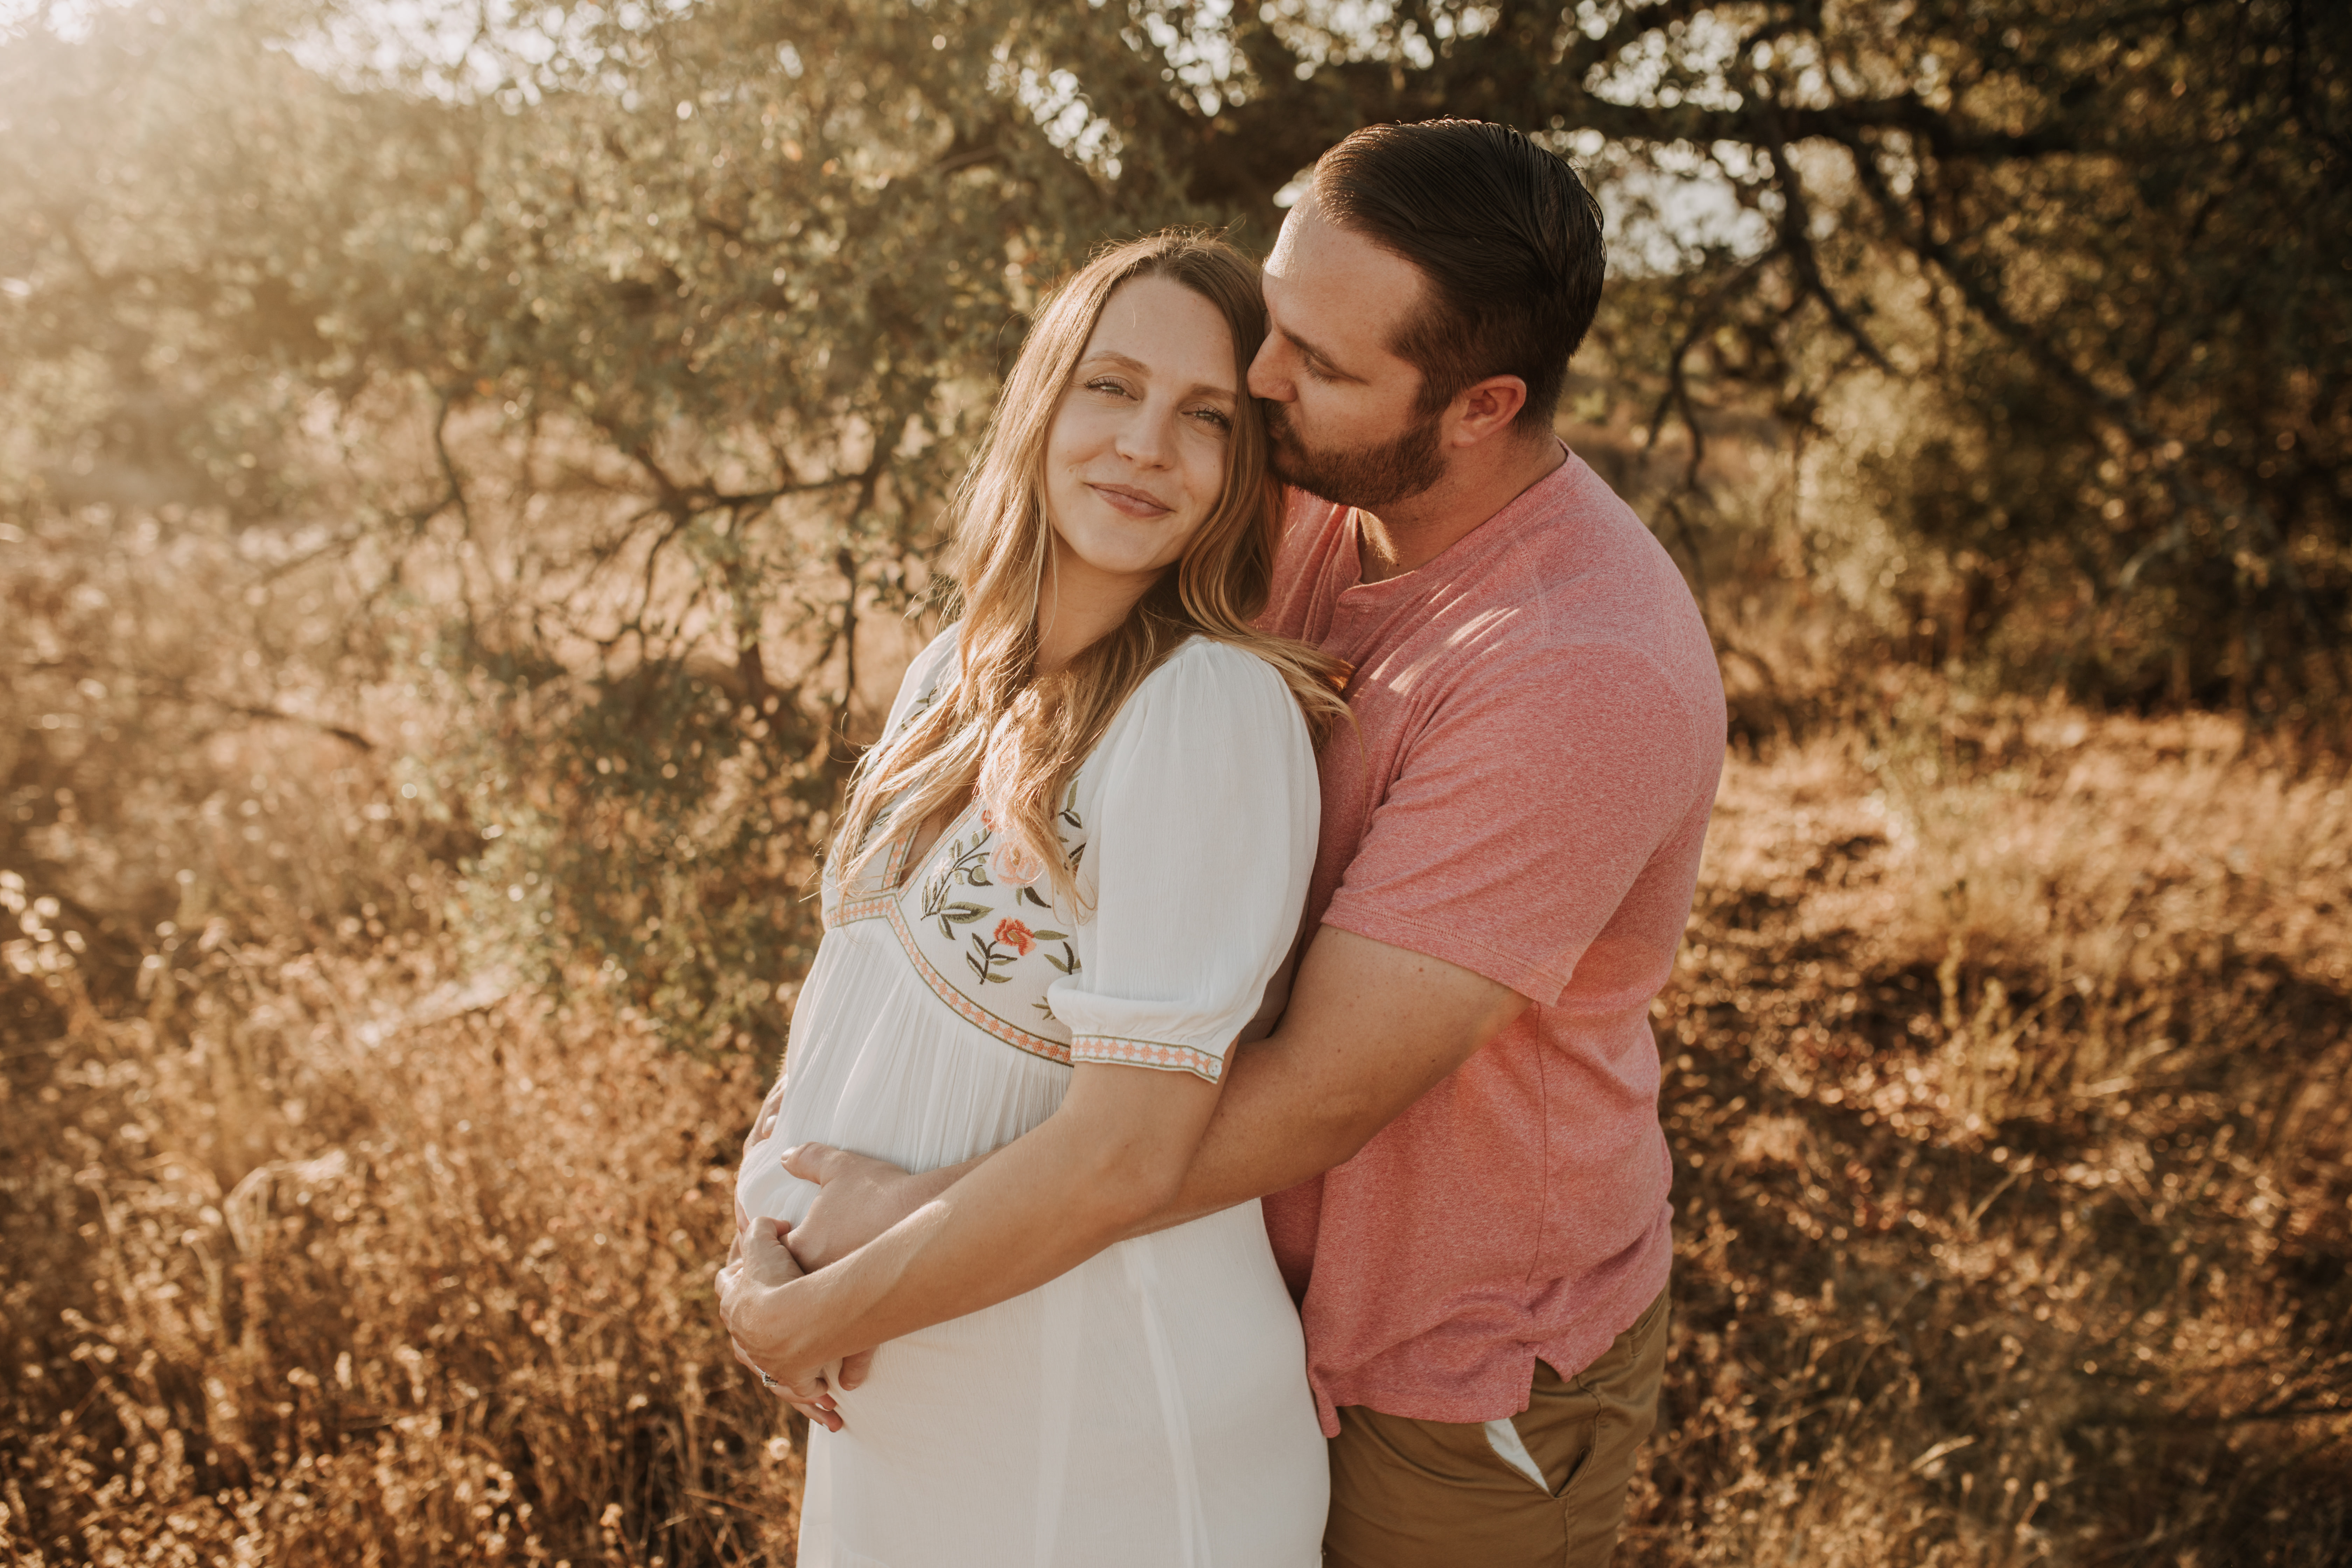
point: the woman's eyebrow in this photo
(1111, 356)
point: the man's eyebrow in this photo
(1311, 351)
(1129, 361)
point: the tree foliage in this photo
(599, 370)
(2104, 239)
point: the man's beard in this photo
(1368, 476)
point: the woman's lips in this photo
(1130, 503)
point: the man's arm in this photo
(1370, 1029)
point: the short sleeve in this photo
(1524, 812)
(1205, 811)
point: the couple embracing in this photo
(1224, 1092)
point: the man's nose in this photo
(1267, 377)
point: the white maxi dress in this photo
(1149, 1408)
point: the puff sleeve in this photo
(1205, 806)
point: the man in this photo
(1454, 1126)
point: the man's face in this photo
(1343, 409)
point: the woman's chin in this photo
(1132, 569)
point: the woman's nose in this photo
(1145, 436)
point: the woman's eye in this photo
(1216, 420)
(1105, 384)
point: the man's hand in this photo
(858, 1197)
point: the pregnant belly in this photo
(907, 1105)
(1155, 1349)
(879, 1064)
(764, 1189)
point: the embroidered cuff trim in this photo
(1146, 1054)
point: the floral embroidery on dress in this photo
(984, 959)
(967, 1007)
(954, 904)
(1015, 865)
(981, 896)
(966, 866)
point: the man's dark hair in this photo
(1505, 235)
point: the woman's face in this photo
(1135, 459)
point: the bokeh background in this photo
(470, 477)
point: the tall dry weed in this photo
(2007, 1066)
(355, 1261)
(319, 1240)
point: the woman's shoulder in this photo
(1209, 688)
(1210, 668)
(939, 656)
(1209, 705)
(934, 666)
(927, 673)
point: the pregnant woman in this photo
(1066, 879)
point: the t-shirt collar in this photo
(1544, 496)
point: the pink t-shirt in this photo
(1542, 728)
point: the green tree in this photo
(624, 382)
(616, 360)
(2104, 239)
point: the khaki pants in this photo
(1439, 1494)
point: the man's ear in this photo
(1484, 409)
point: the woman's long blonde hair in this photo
(997, 725)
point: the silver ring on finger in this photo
(773, 1386)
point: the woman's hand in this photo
(754, 1303)
(765, 1123)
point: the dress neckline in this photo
(911, 865)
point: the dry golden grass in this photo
(343, 1259)
(2008, 1064)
